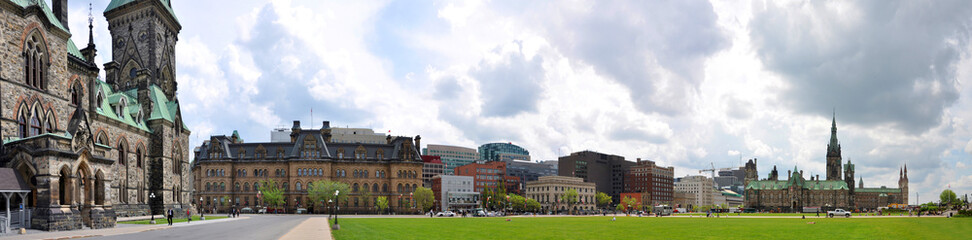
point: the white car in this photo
(445, 214)
(838, 212)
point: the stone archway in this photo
(84, 185)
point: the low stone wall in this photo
(131, 210)
(102, 217)
(56, 219)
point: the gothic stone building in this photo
(92, 150)
(836, 191)
(228, 172)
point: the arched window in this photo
(49, 125)
(63, 185)
(22, 122)
(246, 187)
(384, 187)
(122, 155)
(207, 187)
(355, 188)
(400, 188)
(35, 69)
(35, 124)
(138, 157)
(374, 188)
(297, 186)
(256, 186)
(76, 94)
(365, 175)
(365, 188)
(222, 186)
(286, 185)
(237, 187)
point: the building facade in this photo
(490, 176)
(655, 181)
(503, 152)
(452, 156)
(228, 172)
(454, 193)
(90, 149)
(702, 187)
(431, 166)
(548, 191)
(529, 171)
(607, 171)
(836, 191)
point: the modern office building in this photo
(490, 175)
(503, 152)
(454, 193)
(647, 177)
(431, 166)
(548, 191)
(452, 156)
(607, 171)
(228, 173)
(529, 171)
(703, 187)
(731, 179)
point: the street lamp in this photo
(412, 200)
(201, 213)
(336, 192)
(151, 196)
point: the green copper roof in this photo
(118, 3)
(811, 185)
(878, 190)
(164, 109)
(108, 109)
(46, 10)
(73, 50)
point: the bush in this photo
(964, 213)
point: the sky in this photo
(689, 84)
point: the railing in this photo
(18, 219)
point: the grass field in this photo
(174, 220)
(653, 228)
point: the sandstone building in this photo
(92, 149)
(227, 171)
(799, 190)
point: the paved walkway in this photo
(119, 229)
(312, 228)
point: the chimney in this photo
(418, 142)
(295, 131)
(801, 173)
(327, 124)
(60, 10)
(818, 177)
(789, 173)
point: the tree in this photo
(424, 198)
(603, 199)
(628, 203)
(948, 197)
(517, 202)
(570, 198)
(532, 205)
(381, 204)
(322, 191)
(272, 194)
(366, 196)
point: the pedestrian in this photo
(188, 216)
(169, 217)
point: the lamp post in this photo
(411, 200)
(201, 213)
(152, 196)
(336, 192)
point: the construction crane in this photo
(714, 169)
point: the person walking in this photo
(188, 216)
(169, 217)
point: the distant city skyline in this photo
(685, 83)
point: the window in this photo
(35, 124)
(122, 155)
(297, 186)
(48, 125)
(138, 157)
(35, 69)
(22, 122)
(76, 94)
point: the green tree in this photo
(532, 205)
(628, 204)
(322, 191)
(569, 198)
(424, 198)
(366, 196)
(272, 194)
(603, 199)
(517, 202)
(948, 197)
(381, 204)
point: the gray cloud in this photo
(877, 62)
(624, 40)
(511, 86)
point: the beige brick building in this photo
(228, 171)
(548, 190)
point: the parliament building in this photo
(795, 191)
(227, 171)
(91, 149)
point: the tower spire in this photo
(90, 25)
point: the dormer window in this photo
(100, 99)
(121, 108)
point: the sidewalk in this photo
(312, 228)
(117, 230)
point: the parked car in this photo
(301, 211)
(262, 210)
(246, 210)
(838, 212)
(445, 214)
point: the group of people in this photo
(170, 215)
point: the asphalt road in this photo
(256, 227)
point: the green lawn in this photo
(653, 228)
(174, 220)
